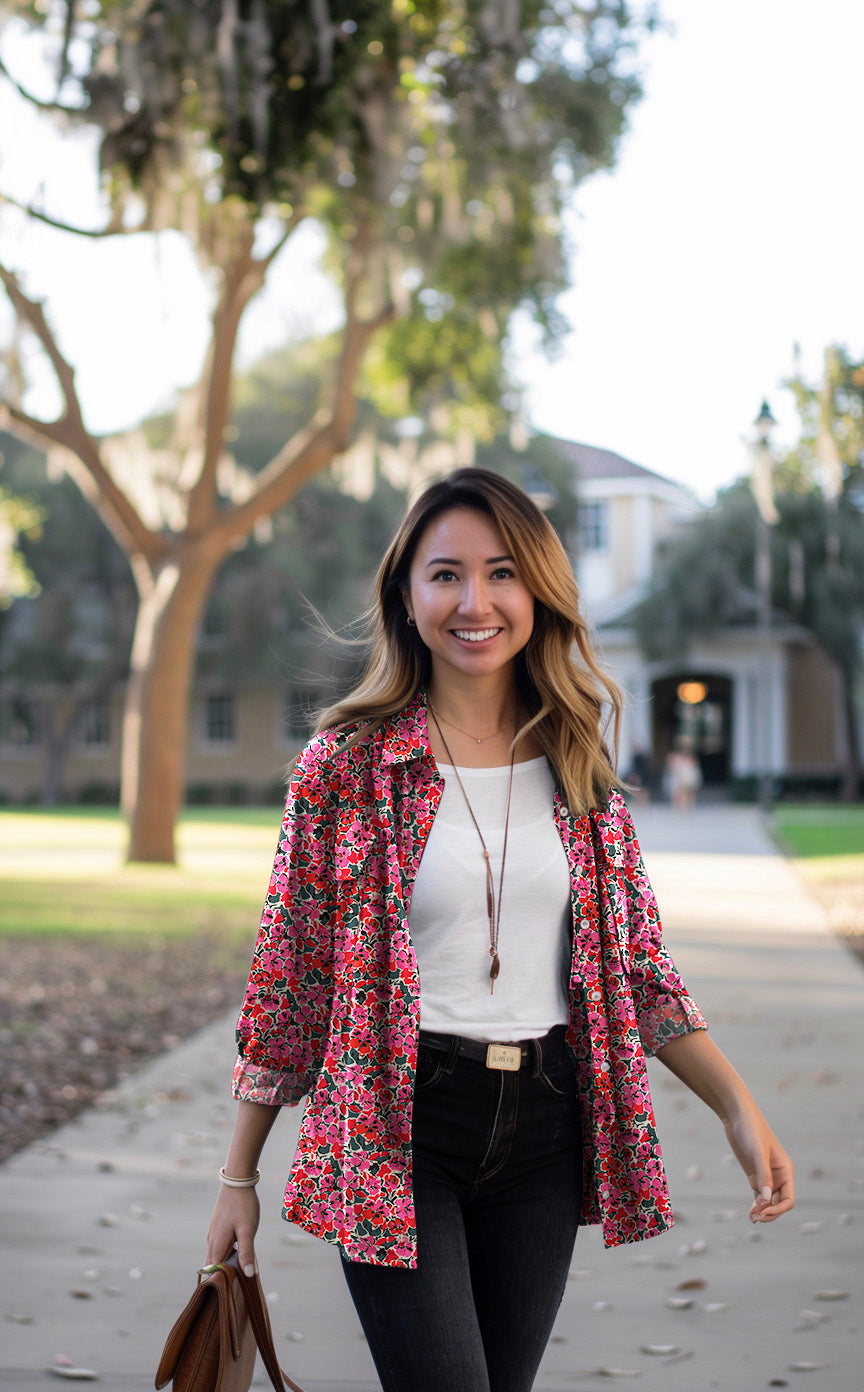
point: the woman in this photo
(456, 859)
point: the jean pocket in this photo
(558, 1075)
(430, 1068)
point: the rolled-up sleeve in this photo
(663, 1005)
(284, 1023)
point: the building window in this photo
(214, 626)
(95, 728)
(594, 526)
(19, 726)
(220, 718)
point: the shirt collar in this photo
(406, 736)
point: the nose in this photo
(474, 601)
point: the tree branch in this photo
(85, 463)
(35, 101)
(93, 232)
(42, 434)
(327, 435)
(242, 278)
(295, 219)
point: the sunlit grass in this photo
(822, 832)
(64, 872)
(829, 834)
(827, 843)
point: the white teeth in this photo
(474, 636)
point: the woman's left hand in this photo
(765, 1163)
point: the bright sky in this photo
(731, 229)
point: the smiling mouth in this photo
(475, 635)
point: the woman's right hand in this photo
(234, 1223)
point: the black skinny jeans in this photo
(497, 1192)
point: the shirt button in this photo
(565, 811)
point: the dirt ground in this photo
(77, 1015)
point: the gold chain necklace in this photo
(511, 720)
(493, 908)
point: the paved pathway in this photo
(103, 1224)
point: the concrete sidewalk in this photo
(104, 1224)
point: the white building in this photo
(749, 709)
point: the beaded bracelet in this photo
(234, 1183)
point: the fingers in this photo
(220, 1247)
(766, 1212)
(775, 1198)
(233, 1226)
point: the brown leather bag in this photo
(212, 1345)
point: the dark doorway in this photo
(697, 706)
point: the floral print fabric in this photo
(332, 1006)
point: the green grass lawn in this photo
(62, 871)
(827, 843)
(824, 832)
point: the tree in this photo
(706, 579)
(20, 518)
(434, 142)
(71, 632)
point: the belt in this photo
(522, 1053)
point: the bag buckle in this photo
(506, 1056)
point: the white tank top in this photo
(448, 919)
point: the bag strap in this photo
(260, 1322)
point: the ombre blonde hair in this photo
(560, 686)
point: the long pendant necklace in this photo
(493, 907)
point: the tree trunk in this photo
(57, 745)
(852, 768)
(156, 716)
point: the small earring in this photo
(411, 622)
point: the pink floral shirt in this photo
(332, 1006)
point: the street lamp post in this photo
(762, 484)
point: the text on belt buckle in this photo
(506, 1056)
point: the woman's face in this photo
(472, 608)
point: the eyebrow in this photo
(451, 560)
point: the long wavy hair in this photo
(560, 686)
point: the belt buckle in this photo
(506, 1056)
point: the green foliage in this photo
(704, 579)
(76, 619)
(831, 542)
(439, 139)
(834, 409)
(20, 519)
